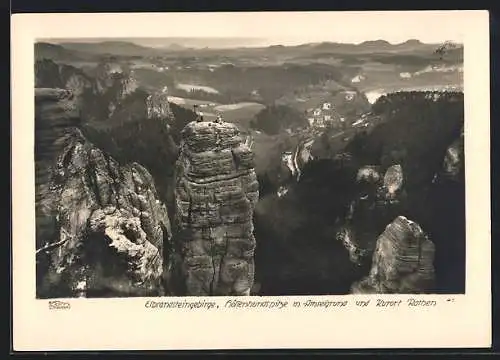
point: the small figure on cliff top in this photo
(199, 114)
(218, 120)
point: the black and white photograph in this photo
(312, 175)
(327, 164)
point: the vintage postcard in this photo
(251, 180)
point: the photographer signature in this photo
(59, 305)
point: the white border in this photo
(111, 324)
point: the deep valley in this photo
(285, 170)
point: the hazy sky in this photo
(274, 27)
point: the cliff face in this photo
(99, 94)
(114, 84)
(158, 106)
(59, 110)
(454, 160)
(402, 261)
(380, 197)
(100, 228)
(49, 74)
(448, 208)
(216, 192)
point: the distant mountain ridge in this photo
(129, 48)
(44, 50)
(123, 48)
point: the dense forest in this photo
(277, 118)
(236, 84)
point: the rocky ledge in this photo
(216, 192)
(100, 227)
(402, 262)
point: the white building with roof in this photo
(327, 106)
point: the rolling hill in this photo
(119, 48)
(44, 50)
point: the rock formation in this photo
(56, 110)
(109, 75)
(369, 173)
(158, 106)
(49, 74)
(454, 160)
(378, 201)
(448, 211)
(216, 192)
(402, 261)
(101, 230)
(393, 181)
(357, 252)
(99, 92)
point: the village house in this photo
(357, 79)
(323, 116)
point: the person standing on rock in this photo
(199, 117)
(218, 140)
(218, 120)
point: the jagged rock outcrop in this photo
(60, 111)
(109, 74)
(369, 174)
(158, 106)
(393, 180)
(216, 192)
(357, 253)
(402, 261)
(101, 230)
(49, 74)
(114, 83)
(378, 201)
(454, 160)
(100, 92)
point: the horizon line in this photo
(269, 41)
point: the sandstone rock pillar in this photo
(403, 261)
(216, 192)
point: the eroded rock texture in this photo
(216, 192)
(158, 106)
(402, 261)
(100, 93)
(101, 229)
(454, 160)
(378, 201)
(56, 111)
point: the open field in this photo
(239, 113)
